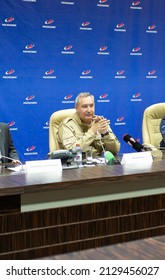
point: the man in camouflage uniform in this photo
(87, 129)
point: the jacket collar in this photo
(79, 121)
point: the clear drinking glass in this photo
(89, 154)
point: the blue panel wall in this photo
(52, 50)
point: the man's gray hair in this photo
(83, 94)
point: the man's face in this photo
(85, 109)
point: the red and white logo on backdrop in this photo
(31, 151)
(136, 5)
(136, 97)
(9, 74)
(68, 49)
(136, 51)
(10, 19)
(103, 3)
(85, 74)
(151, 74)
(120, 27)
(49, 74)
(11, 125)
(9, 22)
(46, 125)
(120, 121)
(103, 50)
(151, 29)
(30, 100)
(49, 24)
(86, 25)
(68, 98)
(30, 48)
(103, 98)
(120, 74)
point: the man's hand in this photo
(16, 162)
(100, 124)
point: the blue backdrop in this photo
(52, 50)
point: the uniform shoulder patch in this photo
(66, 120)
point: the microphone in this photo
(135, 144)
(12, 159)
(110, 158)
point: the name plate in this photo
(137, 158)
(43, 166)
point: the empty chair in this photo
(55, 119)
(152, 116)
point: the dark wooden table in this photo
(44, 214)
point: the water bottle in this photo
(78, 156)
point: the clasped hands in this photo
(99, 124)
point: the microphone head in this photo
(126, 138)
(109, 156)
(131, 141)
